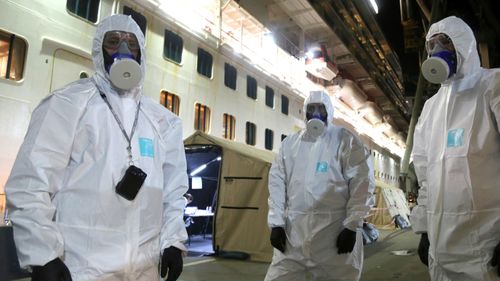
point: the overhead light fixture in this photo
(374, 6)
(197, 170)
(202, 167)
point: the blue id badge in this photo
(146, 147)
(455, 138)
(321, 167)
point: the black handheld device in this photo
(131, 183)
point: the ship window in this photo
(12, 56)
(205, 60)
(170, 101)
(87, 9)
(139, 18)
(251, 87)
(230, 76)
(269, 135)
(269, 97)
(250, 133)
(201, 118)
(84, 75)
(228, 126)
(283, 136)
(172, 46)
(284, 104)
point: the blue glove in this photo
(495, 261)
(171, 263)
(55, 270)
(278, 238)
(346, 241)
(423, 249)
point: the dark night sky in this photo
(389, 20)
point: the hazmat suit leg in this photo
(467, 272)
(290, 270)
(324, 265)
(284, 268)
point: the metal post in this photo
(417, 105)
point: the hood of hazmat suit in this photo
(456, 153)
(61, 192)
(319, 186)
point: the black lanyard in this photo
(129, 139)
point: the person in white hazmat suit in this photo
(320, 189)
(96, 191)
(456, 153)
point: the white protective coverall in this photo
(317, 188)
(61, 193)
(456, 153)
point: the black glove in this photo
(495, 261)
(278, 238)
(346, 241)
(423, 249)
(55, 270)
(171, 262)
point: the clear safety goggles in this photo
(441, 41)
(113, 39)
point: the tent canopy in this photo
(240, 219)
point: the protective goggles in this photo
(316, 110)
(113, 39)
(440, 40)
